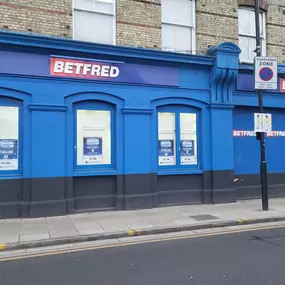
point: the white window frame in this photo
(114, 15)
(262, 35)
(192, 28)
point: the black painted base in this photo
(30, 198)
(248, 186)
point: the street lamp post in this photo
(260, 135)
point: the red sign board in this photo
(282, 85)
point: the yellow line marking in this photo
(130, 233)
(2, 246)
(89, 248)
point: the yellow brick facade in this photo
(48, 17)
(138, 22)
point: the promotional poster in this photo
(8, 154)
(92, 150)
(166, 152)
(187, 152)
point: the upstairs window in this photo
(247, 34)
(178, 25)
(94, 21)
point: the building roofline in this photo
(17, 39)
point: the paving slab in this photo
(136, 223)
(18, 233)
(32, 237)
(113, 225)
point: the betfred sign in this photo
(59, 66)
(112, 71)
(282, 85)
(244, 133)
(82, 69)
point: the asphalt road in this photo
(246, 258)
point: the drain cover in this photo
(203, 217)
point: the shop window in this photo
(177, 139)
(94, 135)
(247, 34)
(9, 138)
(94, 21)
(178, 25)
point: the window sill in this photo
(6, 174)
(179, 171)
(94, 172)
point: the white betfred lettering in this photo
(68, 68)
(114, 71)
(86, 68)
(58, 66)
(238, 133)
(283, 85)
(95, 70)
(105, 71)
(78, 67)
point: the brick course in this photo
(139, 23)
(216, 22)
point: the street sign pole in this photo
(263, 166)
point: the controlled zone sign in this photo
(266, 75)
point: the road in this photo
(245, 258)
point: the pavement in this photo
(241, 258)
(17, 234)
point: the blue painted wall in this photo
(52, 145)
(247, 149)
(205, 83)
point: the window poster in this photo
(92, 150)
(166, 152)
(187, 152)
(8, 154)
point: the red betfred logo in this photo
(282, 85)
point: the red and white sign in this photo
(282, 85)
(82, 68)
(240, 133)
(275, 134)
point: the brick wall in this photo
(216, 22)
(139, 23)
(275, 26)
(49, 17)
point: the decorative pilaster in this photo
(219, 186)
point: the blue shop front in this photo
(87, 127)
(246, 147)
